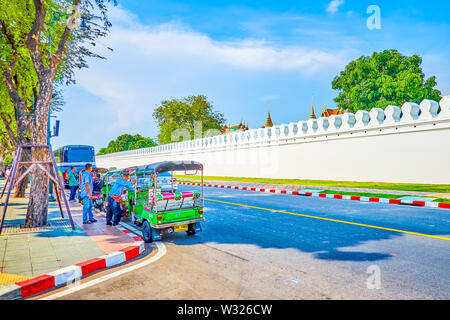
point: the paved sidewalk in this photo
(291, 187)
(29, 253)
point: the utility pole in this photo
(51, 197)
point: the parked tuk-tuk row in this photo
(156, 205)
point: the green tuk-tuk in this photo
(159, 213)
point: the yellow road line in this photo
(334, 220)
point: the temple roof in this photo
(239, 127)
(269, 122)
(330, 112)
(313, 115)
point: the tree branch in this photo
(12, 141)
(9, 80)
(56, 58)
(8, 36)
(32, 40)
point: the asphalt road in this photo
(251, 253)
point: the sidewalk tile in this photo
(41, 253)
(16, 257)
(15, 243)
(38, 249)
(50, 265)
(14, 251)
(23, 270)
(14, 263)
(40, 272)
(37, 253)
(44, 259)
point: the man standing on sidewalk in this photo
(73, 184)
(86, 195)
(116, 193)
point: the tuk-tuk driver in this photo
(114, 211)
(86, 194)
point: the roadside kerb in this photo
(70, 274)
(428, 204)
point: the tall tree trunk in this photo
(22, 121)
(39, 191)
(38, 203)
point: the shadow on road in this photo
(327, 240)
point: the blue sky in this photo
(243, 55)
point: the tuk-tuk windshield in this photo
(144, 181)
(170, 166)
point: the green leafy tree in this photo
(8, 161)
(127, 142)
(385, 78)
(186, 113)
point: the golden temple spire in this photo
(269, 120)
(312, 116)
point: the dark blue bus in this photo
(74, 156)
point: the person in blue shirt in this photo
(86, 194)
(114, 211)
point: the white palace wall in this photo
(410, 144)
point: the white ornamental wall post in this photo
(302, 128)
(268, 133)
(312, 126)
(376, 117)
(410, 112)
(445, 106)
(335, 122)
(323, 124)
(362, 118)
(348, 121)
(261, 135)
(393, 114)
(276, 132)
(428, 109)
(293, 129)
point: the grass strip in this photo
(363, 194)
(438, 188)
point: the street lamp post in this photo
(51, 197)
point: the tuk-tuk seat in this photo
(174, 201)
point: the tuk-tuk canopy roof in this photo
(100, 170)
(119, 172)
(167, 166)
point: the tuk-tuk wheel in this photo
(191, 230)
(147, 232)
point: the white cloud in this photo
(151, 63)
(334, 5)
(178, 41)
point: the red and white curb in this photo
(429, 204)
(68, 275)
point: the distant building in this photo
(239, 127)
(313, 115)
(269, 122)
(326, 112)
(331, 112)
